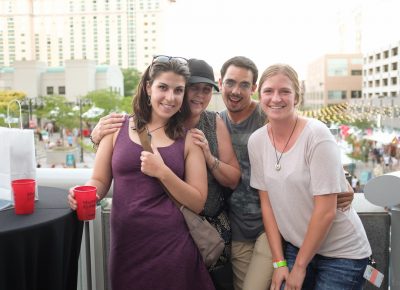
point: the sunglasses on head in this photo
(166, 58)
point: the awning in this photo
(382, 137)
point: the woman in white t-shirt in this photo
(295, 165)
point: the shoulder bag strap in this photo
(147, 147)
(144, 140)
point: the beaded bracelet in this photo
(95, 145)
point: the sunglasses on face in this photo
(166, 58)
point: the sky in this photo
(289, 31)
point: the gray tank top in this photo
(244, 202)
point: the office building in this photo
(381, 72)
(332, 79)
(126, 33)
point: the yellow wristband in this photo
(279, 264)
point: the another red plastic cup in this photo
(24, 195)
(86, 202)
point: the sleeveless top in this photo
(215, 209)
(244, 202)
(151, 247)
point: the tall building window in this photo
(337, 67)
(356, 72)
(355, 94)
(61, 90)
(356, 60)
(336, 95)
(386, 54)
(50, 90)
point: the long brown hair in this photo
(140, 105)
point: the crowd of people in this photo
(270, 182)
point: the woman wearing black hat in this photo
(212, 136)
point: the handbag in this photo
(17, 151)
(204, 235)
(222, 277)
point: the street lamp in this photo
(81, 103)
(80, 128)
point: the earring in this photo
(149, 101)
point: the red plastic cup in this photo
(86, 202)
(24, 195)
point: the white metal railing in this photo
(64, 178)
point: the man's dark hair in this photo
(243, 62)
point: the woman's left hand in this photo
(200, 140)
(296, 278)
(152, 163)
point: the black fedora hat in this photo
(201, 72)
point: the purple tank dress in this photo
(151, 247)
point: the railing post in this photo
(384, 191)
(395, 249)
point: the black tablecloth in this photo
(40, 251)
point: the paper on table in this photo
(5, 204)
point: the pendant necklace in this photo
(278, 160)
(151, 131)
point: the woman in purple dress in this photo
(151, 247)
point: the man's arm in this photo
(344, 199)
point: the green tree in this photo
(105, 99)
(126, 105)
(131, 81)
(362, 124)
(57, 109)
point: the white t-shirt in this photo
(311, 167)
